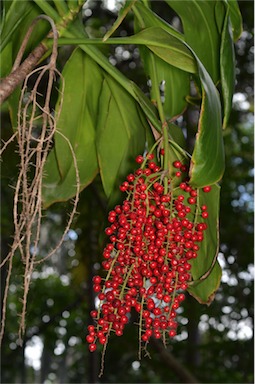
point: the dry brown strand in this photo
(33, 151)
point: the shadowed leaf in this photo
(77, 122)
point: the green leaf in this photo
(61, 7)
(236, 19)
(120, 135)
(18, 19)
(145, 17)
(77, 122)
(14, 17)
(227, 67)
(48, 10)
(129, 166)
(13, 99)
(201, 31)
(148, 108)
(208, 160)
(204, 291)
(176, 134)
(212, 40)
(204, 267)
(13, 105)
(169, 48)
(6, 60)
(175, 82)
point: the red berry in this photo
(102, 340)
(207, 189)
(139, 159)
(97, 279)
(177, 164)
(172, 333)
(92, 347)
(90, 339)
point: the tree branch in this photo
(10, 83)
(183, 373)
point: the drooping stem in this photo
(155, 86)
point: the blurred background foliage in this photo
(214, 343)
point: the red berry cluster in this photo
(153, 236)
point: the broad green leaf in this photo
(204, 291)
(18, 19)
(169, 48)
(212, 40)
(236, 19)
(76, 34)
(201, 31)
(209, 246)
(76, 31)
(145, 17)
(129, 166)
(176, 134)
(208, 160)
(174, 81)
(17, 12)
(205, 270)
(120, 133)
(78, 118)
(6, 60)
(203, 267)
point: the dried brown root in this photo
(35, 131)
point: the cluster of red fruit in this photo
(153, 236)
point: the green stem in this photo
(72, 40)
(139, 18)
(61, 7)
(165, 157)
(196, 211)
(155, 86)
(141, 326)
(48, 10)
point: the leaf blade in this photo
(205, 270)
(205, 38)
(208, 159)
(236, 19)
(117, 145)
(77, 122)
(227, 70)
